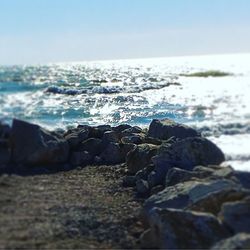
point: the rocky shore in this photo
(176, 191)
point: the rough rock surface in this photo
(140, 157)
(237, 242)
(165, 129)
(34, 145)
(236, 215)
(178, 229)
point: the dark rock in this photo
(236, 242)
(244, 178)
(135, 139)
(104, 128)
(126, 148)
(178, 229)
(142, 187)
(151, 140)
(5, 131)
(92, 145)
(186, 154)
(95, 132)
(200, 195)
(143, 173)
(140, 157)
(80, 158)
(177, 175)
(75, 138)
(156, 189)
(129, 181)
(121, 127)
(112, 154)
(110, 136)
(236, 215)
(33, 145)
(5, 153)
(131, 130)
(164, 129)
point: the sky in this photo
(44, 31)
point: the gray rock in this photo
(92, 145)
(236, 215)
(4, 152)
(76, 137)
(112, 154)
(34, 145)
(110, 136)
(177, 175)
(140, 157)
(178, 229)
(135, 139)
(236, 242)
(129, 181)
(164, 129)
(142, 187)
(80, 158)
(200, 195)
(186, 154)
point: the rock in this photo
(156, 189)
(121, 128)
(177, 175)
(34, 145)
(129, 181)
(236, 242)
(104, 128)
(5, 131)
(131, 130)
(126, 148)
(135, 139)
(92, 145)
(178, 229)
(199, 195)
(75, 138)
(140, 157)
(143, 173)
(112, 154)
(142, 187)
(110, 136)
(151, 140)
(244, 178)
(186, 154)
(236, 215)
(164, 129)
(80, 158)
(4, 152)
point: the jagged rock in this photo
(121, 127)
(92, 145)
(4, 152)
(142, 187)
(186, 154)
(164, 129)
(34, 145)
(199, 195)
(131, 130)
(140, 157)
(76, 137)
(135, 139)
(80, 158)
(236, 215)
(239, 241)
(129, 181)
(110, 136)
(178, 229)
(112, 154)
(177, 175)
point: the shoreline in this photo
(183, 198)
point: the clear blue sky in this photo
(40, 31)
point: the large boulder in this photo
(178, 229)
(34, 145)
(236, 215)
(140, 157)
(199, 195)
(112, 154)
(82, 158)
(76, 136)
(236, 242)
(4, 152)
(186, 154)
(165, 129)
(92, 145)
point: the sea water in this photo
(135, 92)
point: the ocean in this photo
(136, 91)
